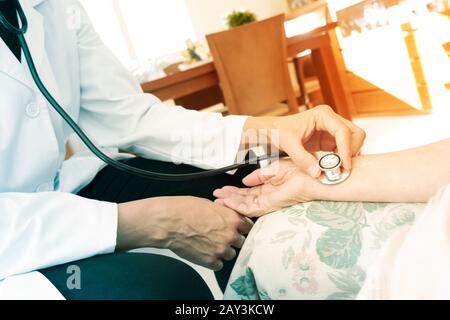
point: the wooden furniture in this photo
(385, 70)
(185, 83)
(313, 15)
(251, 61)
(319, 7)
(329, 65)
(295, 5)
(327, 60)
(417, 67)
(172, 68)
(446, 47)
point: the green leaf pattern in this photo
(340, 245)
(245, 286)
(342, 216)
(348, 282)
(287, 257)
(317, 250)
(339, 248)
(284, 235)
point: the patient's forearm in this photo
(406, 176)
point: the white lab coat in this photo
(42, 222)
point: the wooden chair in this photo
(309, 88)
(251, 61)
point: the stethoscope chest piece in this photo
(330, 164)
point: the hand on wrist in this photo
(140, 225)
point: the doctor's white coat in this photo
(42, 220)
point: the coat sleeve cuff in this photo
(108, 222)
(234, 126)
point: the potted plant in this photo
(239, 18)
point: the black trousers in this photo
(142, 276)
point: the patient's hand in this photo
(412, 175)
(279, 185)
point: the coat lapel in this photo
(35, 39)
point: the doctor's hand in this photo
(196, 229)
(302, 134)
(277, 186)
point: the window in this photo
(139, 30)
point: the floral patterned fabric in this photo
(316, 250)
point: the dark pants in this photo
(142, 276)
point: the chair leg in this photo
(304, 98)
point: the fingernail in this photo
(314, 171)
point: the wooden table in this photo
(326, 56)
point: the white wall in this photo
(208, 15)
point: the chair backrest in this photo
(251, 61)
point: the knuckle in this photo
(248, 222)
(221, 250)
(344, 130)
(231, 254)
(213, 263)
(239, 245)
(325, 108)
(231, 216)
(240, 239)
(235, 219)
(210, 260)
(218, 266)
(232, 236)
(363, 133)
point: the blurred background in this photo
(385, 64)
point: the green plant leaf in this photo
(239, 18)
(342, 216)
(339, 248)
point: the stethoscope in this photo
(20, 32)
(330, 165)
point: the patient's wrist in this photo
(348, 190)
(314, 190)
